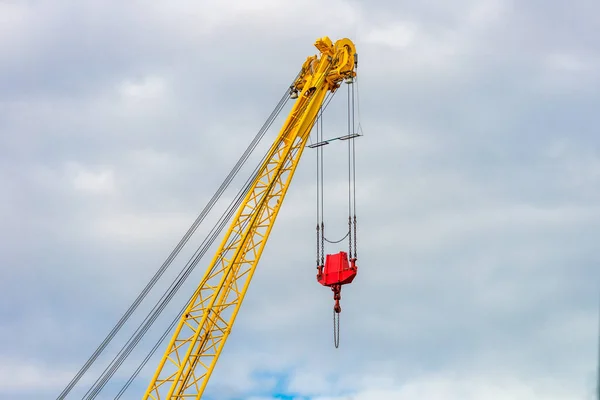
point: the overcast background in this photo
(478, 188)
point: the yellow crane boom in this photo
(191, 355)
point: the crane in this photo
(202, 328)
(194, 349)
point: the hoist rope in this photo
(336, 329)
(350, 131)
(154, 314)
(179, 246)
(352, 220)
(352, 141)
(359, 126)
(320, 195)
(352, 230)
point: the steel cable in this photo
(174, 287)
(165, 299)
(179, 246)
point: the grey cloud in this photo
(453, 148)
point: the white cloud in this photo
(396, 36)
(487, 12)
(467, 387)
(209, 17)
(149, 88)
(100, 181)
(565, 71)
(567, 63)
(136, 227)
(12, 18)
(17, 375)
(477, 214)
(577, 163)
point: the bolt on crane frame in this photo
(198, 340)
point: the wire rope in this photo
(178, 247)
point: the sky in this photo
(478, 180)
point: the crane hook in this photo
(336, 329)
(337, 296)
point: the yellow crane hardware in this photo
(194, 349)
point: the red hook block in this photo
(337, 271)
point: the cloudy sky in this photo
(478, 191)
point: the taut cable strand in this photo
(336, 329)
(354, 171)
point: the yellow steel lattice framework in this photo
(198, 340)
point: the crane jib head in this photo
(337, 62)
